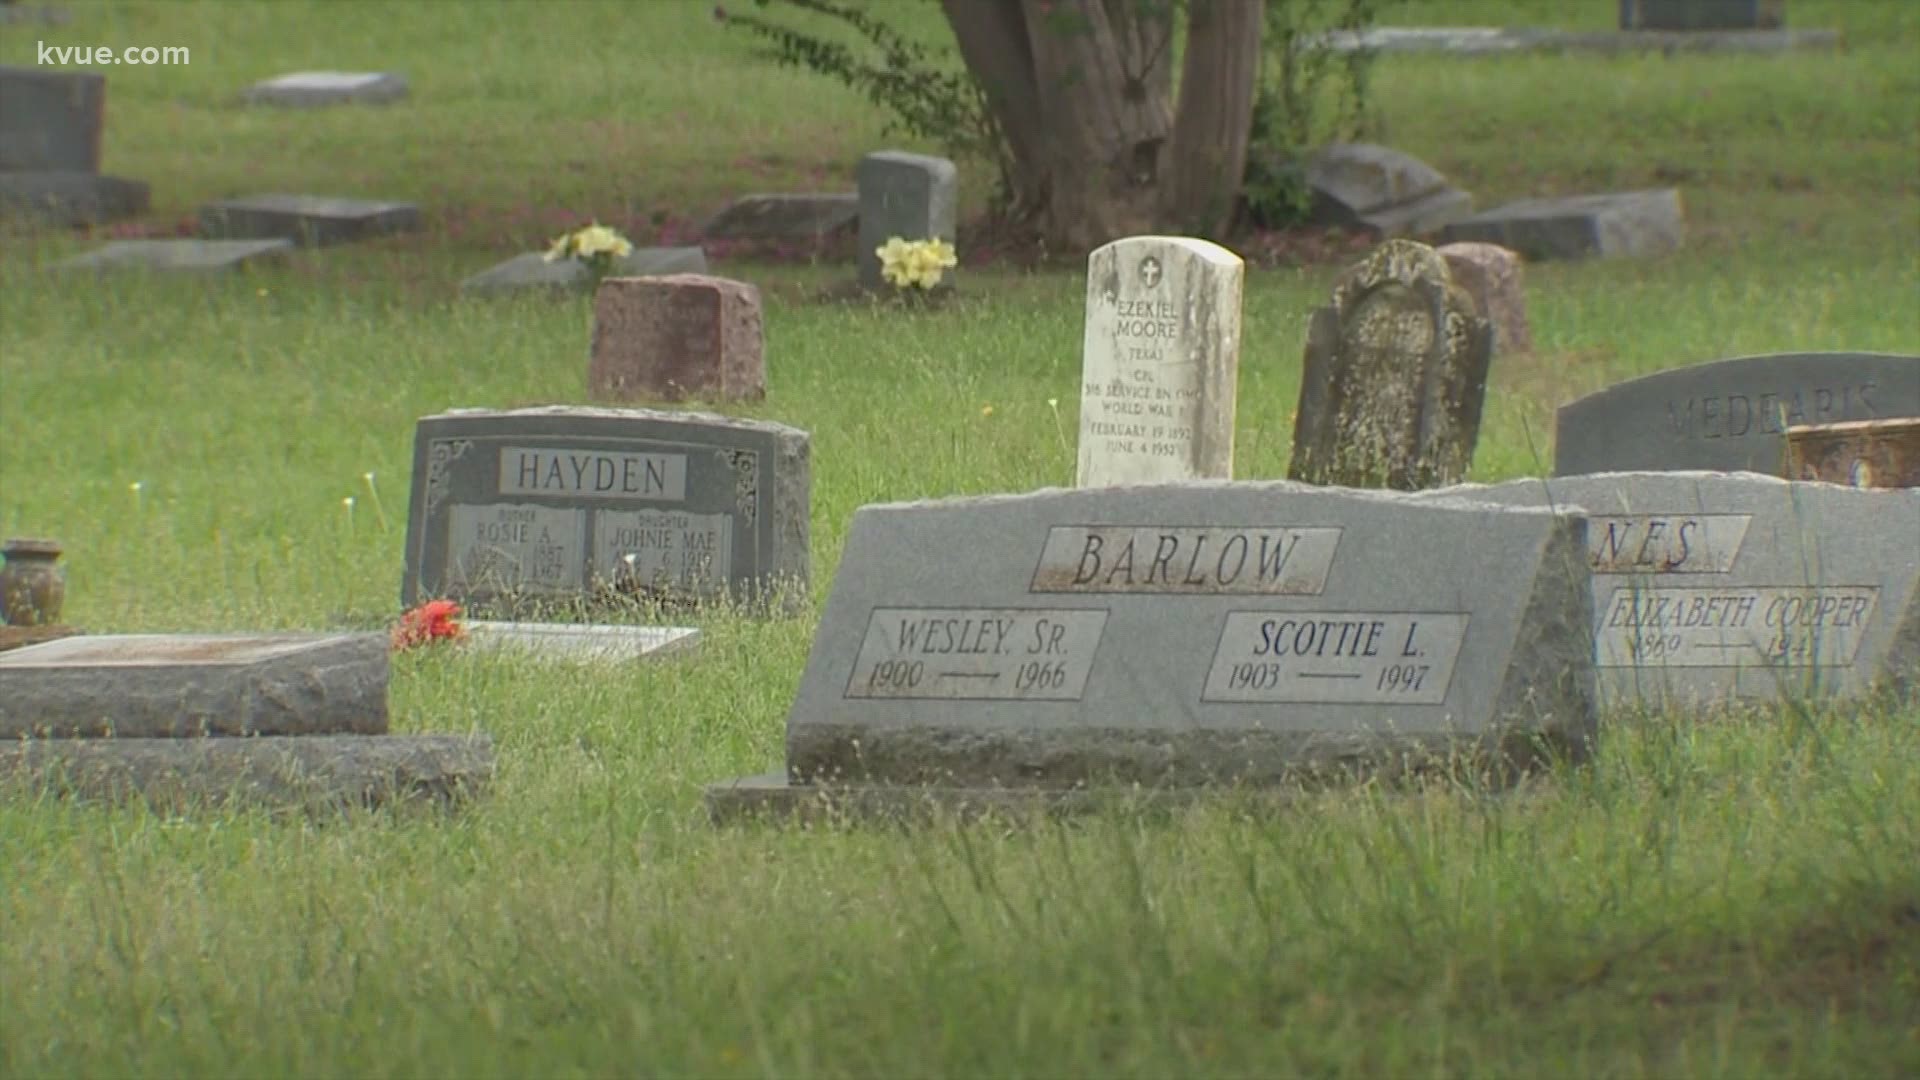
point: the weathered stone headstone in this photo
(51, 120)
(580, 641)
(1630, 224)
(1492, 276)
(70, 198)
(560, 505)
(1395, 376)
(1712, 587)
(911, 196)
(1728, 415)
(1380, 189)
(532, 271)
(308, 220)
(164, 686)
(183, 256)
(1161, 361)
(1185, 635)
(1703, 14)
(784, 217)
(677, 337)
(307, 89)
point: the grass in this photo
(1733, 898)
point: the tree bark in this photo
(992, 36)
(1207, 157)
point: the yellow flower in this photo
(914, 263)
(986, 410)
(594, 241)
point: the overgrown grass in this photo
(1736, 898)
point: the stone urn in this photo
(33, 585)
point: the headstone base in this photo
(1628, 224)
(309, 220)
(70, 198)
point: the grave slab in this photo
(179, 256)
(179, 685)
(581, 641)
(532, 271)
(911, 196)
(66, 199)
(310, 89)
(677, 337)
(1728, 415)
(51, 120)
(1703, 14)
(1160, 361)
(1190, 635)
(1483, 41)
(307, 220)
(557, 506)
(1622, 225)
(785, 217)
(1381, 190)
(1710, 588)
(311, 773)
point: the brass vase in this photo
(33, 585)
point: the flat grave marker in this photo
(179, 256)
(1160, 361)
(911, 196)
(308, 89)
(533, 272)
(581, 641)
(1728, 415)
(1627, 224)
(512, 509)
(785, 217)
(308, 220)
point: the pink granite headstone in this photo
(1491, 275)
(677, 337)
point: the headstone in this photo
(911, 196)
(1492, 276)
(51, 120)
(12, 14)
(1161, 361)
(167, 686)
(1858, 453)
(70, 198)
(183, 256)
(1703, 14)
(1188, 635)
(784, 217)
(558, 505)
(316, 88)
(1395, 376)
(1715, 587)
(308, 220)
(1381, 190)
(532, 271)
(580, 641)
(1623, 225)
(677, 337)
(1728, 415)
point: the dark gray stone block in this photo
(785, 217)
(310, 89)
(308, 220)
(178, 256)
(911, 196)
(524, 509)
(70, 198)
(308, 773)
(1629, 224)
(51, 120)
(1380, 189)
(533, 271)
(1728, 415)
(1703, 14)
(170, 686)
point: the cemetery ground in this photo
(1738, 896)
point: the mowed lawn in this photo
(1731, 896)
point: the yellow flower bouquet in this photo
(596, 245)
(915, 264)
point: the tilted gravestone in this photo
(308, 220)
(309, 89)
(911, 196)
(178, 256)
(1160, 363)
(1703, 14)
(1395, 376)
(1187, 635)
(784, 217)
(1380, 189)
(516, 509)
(1714, 587)
(677, 337)
(534, 272)
(1629, 224)
(1728, 415)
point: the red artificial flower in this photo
(429, 622)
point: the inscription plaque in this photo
(506, 546)
(1336, 657)
(547, 471)
(977, 654)
(1733, 627)
(663, 549)
(1186, 559)
(1665, 543)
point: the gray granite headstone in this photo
(911, 196)
(517, 509)
(1628, 224)
(1703, 14)
(169, 686)
(1361, 185)
(1728, 415)
(70, 198)
(178, 256)
(532, 271)
(308, 220)
(1189, 634)
(51, 120)
(1711, 587)
(316, 88)
(784, 217)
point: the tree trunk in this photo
(992, 35)
(1207, 159)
